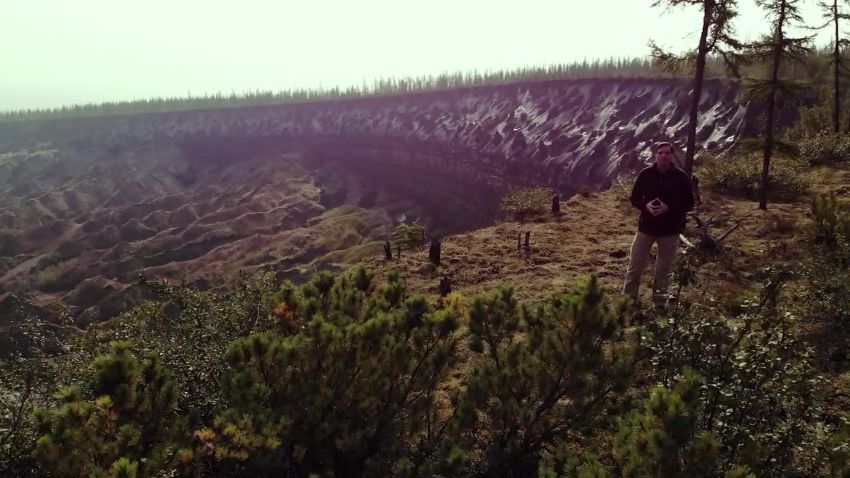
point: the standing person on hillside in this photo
(663, 195)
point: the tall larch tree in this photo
(777, 49)
(716, 36)
(834, 17)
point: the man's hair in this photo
(663, 144)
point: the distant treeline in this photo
(611, 67)
(595, 68)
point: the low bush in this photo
(826, 268)
(622, 188)
(47, 279)
(409, 236)
(740, 175)
(814, 117)
(129, 428)
(744, 392)
(523, 203)
(540, 376)
(349, 385)
(825, 147)
(830, 222)
(827, 298)
(747, 146)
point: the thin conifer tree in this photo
(834, 16)
(716, 37)
(778, 49)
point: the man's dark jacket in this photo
(674, 188)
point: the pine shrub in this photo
(350, 386)
(540, 376)
(128, 429)
(665, 439)
(345, 376)
(830, 222)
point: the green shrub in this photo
(741, 176)
(51, 259)
(826, 268)
(829, 221)
(756, 382)
(827, 297)
(815, 117)
(835, 452)
(128, 429)
(665, 439)
(349, 386)
(623, 189)
(749, 146)
(409, 236)
(28, 380)
(48, 278)
(522, 203)
(17, 434)
(825, 147)
(540, 376)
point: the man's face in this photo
(664, 157)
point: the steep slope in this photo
(565, 132)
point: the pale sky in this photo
(57, 52)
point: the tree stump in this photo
(527, 244)
(445, 286)
(434, 252)
(695, 190)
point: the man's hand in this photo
(656, 207)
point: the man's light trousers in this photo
(663, 264)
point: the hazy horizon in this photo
(95, 50)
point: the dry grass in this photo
(593, 236)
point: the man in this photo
(663, 195)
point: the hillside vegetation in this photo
(372, 373)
